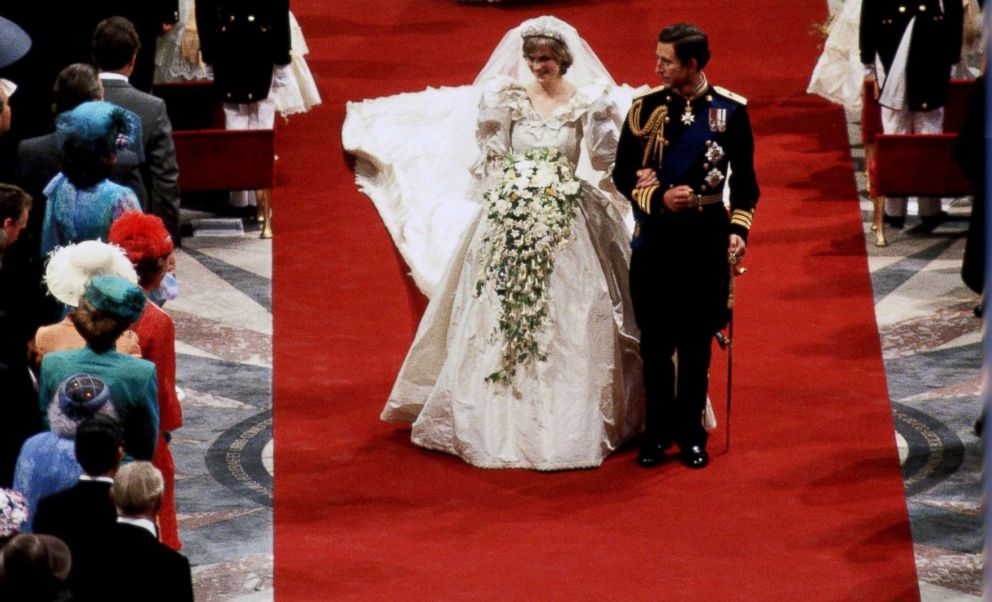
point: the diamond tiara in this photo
(536, 31)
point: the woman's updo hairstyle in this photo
(537, 43)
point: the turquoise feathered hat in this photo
(101, 127)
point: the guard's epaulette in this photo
(731, 95)
(651, 91)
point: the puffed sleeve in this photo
(601, 127)
(494, 126)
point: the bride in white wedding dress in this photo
(527, 355)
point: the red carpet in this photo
(807, 505)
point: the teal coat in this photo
(133, 391)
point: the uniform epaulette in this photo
(651, 91)
(731, 95)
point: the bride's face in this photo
(543, 65)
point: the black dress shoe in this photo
(896, 221)
(695, 457)
(651, 454)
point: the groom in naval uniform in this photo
(908, 49)
(676, 146)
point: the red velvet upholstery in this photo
(916, 165)
(957, 102)
(225, 159)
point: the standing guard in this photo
(908, 49)
(681, 146)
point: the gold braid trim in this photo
(642, 196)
(743, 218)
(653, 132)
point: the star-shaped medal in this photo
(688, 118)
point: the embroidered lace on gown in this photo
(586, 399)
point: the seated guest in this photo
(149, 247)
(82, 515)
(47, 463)
(68, 271)
(140, 564)
(13, 513)
(115, 50)
(108, 307)
(81, 201)
(33, 568)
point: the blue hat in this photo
(115, 296)
(81, 396)
(14, 42)
(100, 127)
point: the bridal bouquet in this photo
(529, 211)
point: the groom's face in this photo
(670, 69)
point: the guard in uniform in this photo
(677, 147)
(243, 40)
(909, 47)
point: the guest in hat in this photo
(34, 568)
(109, 305)
(149, 247)
(67, 274)
(81, 201)
(82, 515)
(47, 463)
(13, 514)
(14, 42)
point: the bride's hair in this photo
(557, 48)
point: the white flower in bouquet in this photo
(529, 212)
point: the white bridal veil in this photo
(414, 150)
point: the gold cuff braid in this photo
(642, 196)
(740, 217)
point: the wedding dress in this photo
(586, 398)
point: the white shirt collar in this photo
(86, 477)
(109, 75)
(144, 523)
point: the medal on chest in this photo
(718, 120)
(687, 117)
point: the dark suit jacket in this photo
(136, 566)
(159, 170)
(80, 516)
(243, 40)
(934, 48)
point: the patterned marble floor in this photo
(931, 344)
(223, 453)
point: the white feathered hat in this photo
(71, 267)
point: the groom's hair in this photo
(689, 41)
